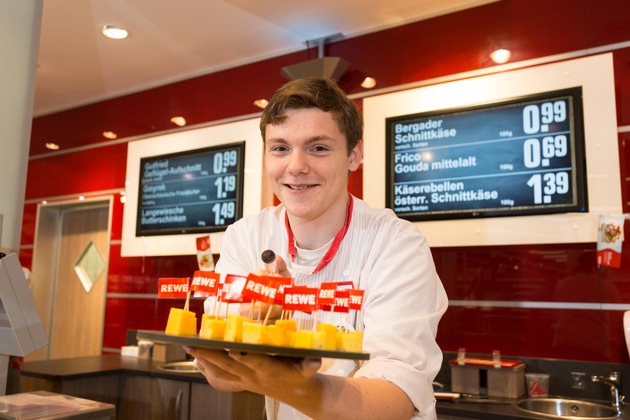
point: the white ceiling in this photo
(178, 39)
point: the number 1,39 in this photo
(546, 185)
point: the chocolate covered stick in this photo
(269, 258)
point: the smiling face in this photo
(307, 161)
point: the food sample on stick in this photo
(263, 291)
(180, 321)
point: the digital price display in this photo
(195, 191)
(517, 157)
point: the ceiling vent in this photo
(326, 67)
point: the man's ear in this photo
(356, 156)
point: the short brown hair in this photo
(315, 92)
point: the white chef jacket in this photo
(404, 299)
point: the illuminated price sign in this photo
(194, 191)
(517, 157)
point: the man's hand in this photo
(259, 310)
(233, 371)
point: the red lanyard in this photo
(334, 247)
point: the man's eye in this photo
(320, 148)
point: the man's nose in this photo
(297, 163)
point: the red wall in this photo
(424, 50)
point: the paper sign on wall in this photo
(609, 240)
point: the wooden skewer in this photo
(187, 301)
(267, 316)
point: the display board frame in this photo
(197, 191)
(246, 131)
(594, 74)
(513, 157)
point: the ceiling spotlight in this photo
(179, 121)
(110, 135)
(114, 32)
(368, 83)
(52, 146)
(261, 103)
(501, 56)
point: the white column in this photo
(20, 24)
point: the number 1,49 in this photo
(223, 211)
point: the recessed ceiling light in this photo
(52, 146)
(500, 56)
(114, 32)
(368, 83)
(261, 103)
(110, 135)
(180, 121)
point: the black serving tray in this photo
(195, 341)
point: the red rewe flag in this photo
(356, 299)
(342, 301)
(172, 287)
(261, 288)
(326, 296)
(345, 285)
(232, 290)
(300, 298)
(285, 282)
(206, 282)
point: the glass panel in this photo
(90, 266)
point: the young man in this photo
(313, 140)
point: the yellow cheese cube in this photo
(254, 333)
(212, 328)
(287, 324)
(308, 339)
(278, 336)
(330, 338)
(350, 341)
(181, 322)
(290, 338)
(234, 328)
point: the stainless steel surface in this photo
(180, 367)
(566, 408)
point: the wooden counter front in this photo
(140, 389)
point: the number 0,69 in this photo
(535, 151)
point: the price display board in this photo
(194, 191)
(515, 157)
